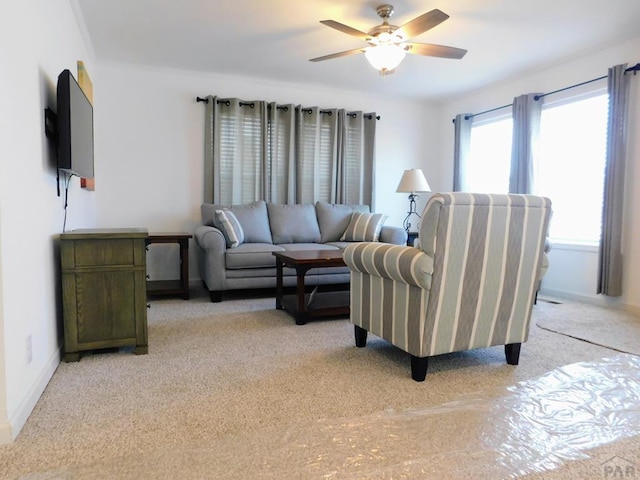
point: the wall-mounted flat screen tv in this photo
(75, 128)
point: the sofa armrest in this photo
(399, 263)
(211, 256)
(393, 235)
(208, 238)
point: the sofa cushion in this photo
(289, 247)
(293, 223)
(334, 218)
(251, 255)
(338, 244)
(252, 217)
(364, 227)
(231, 228)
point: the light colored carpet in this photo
(614, 329)
(236, 390)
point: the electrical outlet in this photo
(29, 350)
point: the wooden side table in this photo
(172, 287)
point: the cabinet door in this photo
(106, 306)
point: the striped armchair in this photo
(471, 284)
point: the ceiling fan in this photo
(388, 43)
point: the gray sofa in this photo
(269, 227)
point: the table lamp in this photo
(412, 181)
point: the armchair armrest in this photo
(399, 263)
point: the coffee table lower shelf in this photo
(324, 304)
(319, 303)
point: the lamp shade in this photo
(384, 56)
(413, 181)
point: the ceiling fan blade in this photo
(431, 50)
(423, 23)
(336, 55)
(346, 29)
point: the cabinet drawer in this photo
(104, 252)
(99, 253)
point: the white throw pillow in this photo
(231, 228)
(364, 227)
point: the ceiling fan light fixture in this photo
(385, 57)
(388, 43)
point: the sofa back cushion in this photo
(334, 218)
(293, 223)
(253, 219)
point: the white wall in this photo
(39, 39)
(150, 143)
(572, 272)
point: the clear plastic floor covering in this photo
(532, 427)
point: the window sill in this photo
(574, 246)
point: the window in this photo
(489, 159)
(570, 164)
(570, 167)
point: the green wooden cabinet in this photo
(104, 290)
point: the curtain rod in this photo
(635, 69)
(284, 107)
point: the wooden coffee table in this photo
(302, 305)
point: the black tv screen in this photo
(75, 128)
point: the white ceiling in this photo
(274, 39)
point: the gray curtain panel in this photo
(368, 172)
(211, 120)
(462, 140)
(235, 151)
(526, 130)
(256, 150)
(356, 147)
(281, 170)
(610, 252)
(316, 150)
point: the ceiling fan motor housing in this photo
(385, 11)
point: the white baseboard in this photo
(10, 430)
(599, 300)
(5, 433)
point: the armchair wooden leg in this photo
(361, 336)
(419, 367)
(512, 352)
